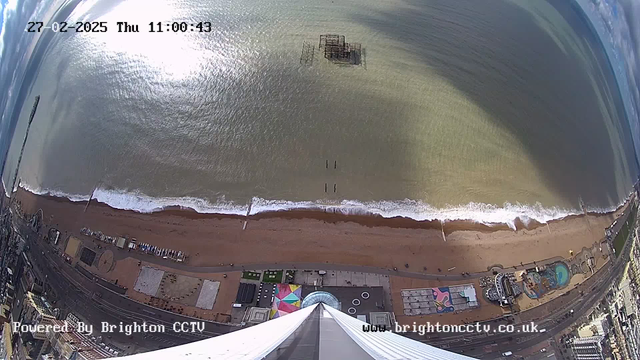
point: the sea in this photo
(480, 110)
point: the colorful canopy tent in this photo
(287, 299)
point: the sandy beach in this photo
(301, 236)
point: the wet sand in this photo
(305, 236)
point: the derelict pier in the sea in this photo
(335, 49)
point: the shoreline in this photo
(212, 240)
(333, 217)
(339, 213)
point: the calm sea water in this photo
(461, 108)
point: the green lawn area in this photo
(251, 275)
(621, 238)
(272, 276)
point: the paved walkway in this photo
(445, 276)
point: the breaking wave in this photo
(417, 210)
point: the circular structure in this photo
(355, 302)
(365, 295)
(351, 311)
(562, 273)
(492, 294)
(321, 297)
(105, 263)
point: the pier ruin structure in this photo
(338, 51)
(335, 49)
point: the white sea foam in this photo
(417, 210)
(137, 201)
(55, 193)
(140, 202)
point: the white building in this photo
(6, 350)
(588, 348)
(598, 326)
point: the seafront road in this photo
(96, 303)
(79, 293)
(581, 300)
(444, 275)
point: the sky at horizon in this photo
(618, 25)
